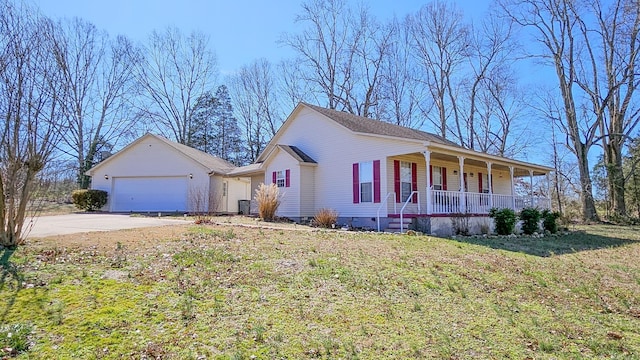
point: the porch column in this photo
(531, 192)
(427, 160)
(513, 191)
(461, 173)
(490, 184)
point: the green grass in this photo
(238, 293)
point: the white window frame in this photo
(281, 178)
(365, 173)
(436, 176)
(485, 183)
(406, 180)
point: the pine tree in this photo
(632, 169)
(203, 127)
(227, 133)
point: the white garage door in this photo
(150, 194)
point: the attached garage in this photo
(154, 174)
(149, 194)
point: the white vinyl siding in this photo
(307, 190)
(335, 154)
(148, 159)
(289, 196)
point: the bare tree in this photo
(490, 52)
(401, 91)
(342, 52)
(608, 75)
(555, 27)
(254, 91)
(503, 111)
(30, 90)
(293, 88)
(440, 39)
(98, 76)
(175, 71)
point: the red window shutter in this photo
(396, 179)
(287, 174)
(356, 184)
(273, 177)
(414, 181)
(479, 182)
(444, 178)
(376, 181)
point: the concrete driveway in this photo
(77, 223)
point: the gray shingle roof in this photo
(297, 154)
(365, 125)
(247, 169)
(213, 163)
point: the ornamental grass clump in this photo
(325, 218)
(268, 199)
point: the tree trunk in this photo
(588, 204)
(615, 178)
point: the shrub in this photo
(89, 200)
(530, 220)
(268, 199)
(505, 220)
(325, 218)
(549, 220)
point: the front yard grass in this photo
(229, 292)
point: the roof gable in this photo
(211, 163)
(364, 125)
(359, 125)
(297, 154)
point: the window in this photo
(224, 188)
(485, 183)
(366, 181)
(436, 176)
(406, 176)
(280, 179)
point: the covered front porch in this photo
(442, 181)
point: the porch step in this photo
(394, 225)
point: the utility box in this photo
(244, 207)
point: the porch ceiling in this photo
(518, 169)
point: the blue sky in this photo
(240, 30)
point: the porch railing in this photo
(409, 199)
(449, 202)
(384, 204)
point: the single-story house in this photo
(378, 175)
(154, 174)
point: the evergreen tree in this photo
(227, 133)
(203, 130)
(632, 169)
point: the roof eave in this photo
(497, 159)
